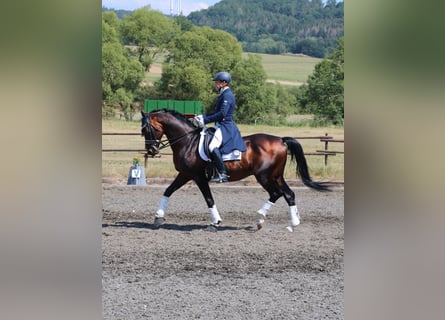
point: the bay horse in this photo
(265, 158)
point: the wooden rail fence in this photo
(326, 139)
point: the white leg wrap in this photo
(214, 215)
(160, 213)
(265, 208)
(294, 216)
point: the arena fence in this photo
(325, 151)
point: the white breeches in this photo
(216, 141)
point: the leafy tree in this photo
(267, 45)
(150, 31)
(323, 94)
(310, 47)
(194, 57)
(183, 23)
(213, 49)
(110, 28)
(121, 75)
(256, 99)
(286, 102)
(190, 82)
(249, 78)
(124, 99)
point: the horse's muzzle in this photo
(152, 150)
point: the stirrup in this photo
(220, 178)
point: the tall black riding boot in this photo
(219, 163)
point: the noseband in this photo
(151, 144)
(155, 145)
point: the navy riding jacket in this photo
(223, 117)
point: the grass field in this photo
(292, 68)
(288, 69)
(115, 165)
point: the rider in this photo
(223, 118)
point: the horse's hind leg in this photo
(289, 196)
(179, 181)
(277, 188)
(274, 194)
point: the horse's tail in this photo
(296, 152)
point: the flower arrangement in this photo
(136, 161)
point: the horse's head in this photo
(152, 131)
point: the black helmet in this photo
(223, 76)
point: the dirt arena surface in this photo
(182, 271)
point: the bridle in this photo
(154, 145)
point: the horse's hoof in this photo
(260, 224)
(212, 228)
(159, 221)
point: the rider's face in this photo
(219, 84)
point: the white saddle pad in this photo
(234, 155)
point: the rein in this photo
(162, 144)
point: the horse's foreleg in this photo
(215, 218)
(179, 181)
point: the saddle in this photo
(207, 134)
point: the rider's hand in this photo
(200, 120)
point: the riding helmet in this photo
(223, 76)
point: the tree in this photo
(212, 49)
(190, 82)
(256, 99)
(150, 31)
(323, 94)
(111, 19)
(310, 47)
(194, 57)
(249, 78)
(183, 23)
(110, 27)
(121, 75)
(285, 101)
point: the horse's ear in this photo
(144, 117)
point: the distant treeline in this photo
(278, 26)
(274, 26)
(120, 13)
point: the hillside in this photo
(277, 26)
(119, 13)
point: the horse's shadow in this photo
(169, 226)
